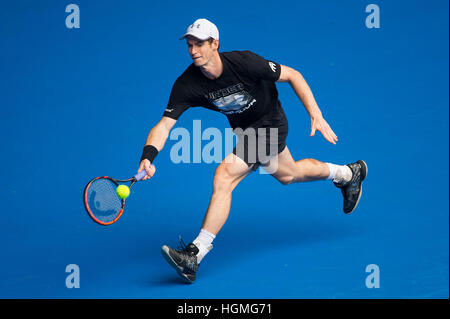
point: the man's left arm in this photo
(305, 95)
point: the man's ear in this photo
(215, 44)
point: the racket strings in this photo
(102, 199)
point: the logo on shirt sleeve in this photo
(273, 66)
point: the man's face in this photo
(200, 51)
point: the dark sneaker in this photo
(352, 190)
(184, 261)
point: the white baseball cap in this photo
(202, 29)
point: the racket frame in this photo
(133, 180)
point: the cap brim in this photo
(198, 36)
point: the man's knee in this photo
(286, 180)
(222, 180)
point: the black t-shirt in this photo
(245, 91)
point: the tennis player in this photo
(241, 85)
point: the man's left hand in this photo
(319, 124)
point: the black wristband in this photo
(149, 153)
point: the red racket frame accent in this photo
(87, 206)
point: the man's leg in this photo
(228, 174)
(288, 171)
(346, 177)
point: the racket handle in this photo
(140, 175)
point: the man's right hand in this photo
(148, 167)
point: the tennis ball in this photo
(123, 191)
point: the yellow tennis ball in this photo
(123, 191)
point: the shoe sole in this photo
(366, 170)
(169, 259)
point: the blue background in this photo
(78, 103)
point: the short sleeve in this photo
(179, 100)
(258, 67)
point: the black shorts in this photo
(264, 139)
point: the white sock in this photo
(339, 173)
(204, 243)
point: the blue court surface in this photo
(79, 102)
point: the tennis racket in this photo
(101, 201)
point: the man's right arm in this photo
(157, 138)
